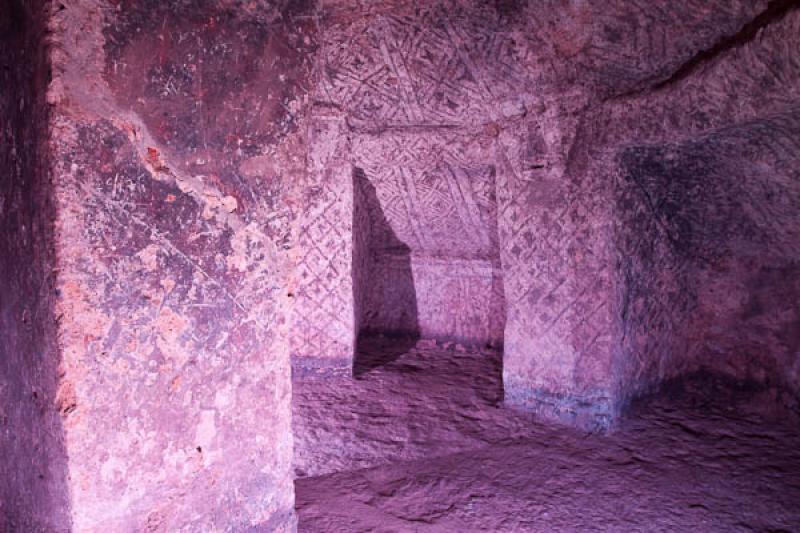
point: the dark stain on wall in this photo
(33, 494)
(214, 83)
(707, 235)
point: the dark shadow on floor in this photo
(377, 350)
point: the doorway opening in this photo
(426, 262)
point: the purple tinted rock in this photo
(33, 459)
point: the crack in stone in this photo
(775, 11)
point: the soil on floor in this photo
(419, 441)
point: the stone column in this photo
(176, 137)
(323, 320)
(554, 234)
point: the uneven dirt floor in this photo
(418, 441)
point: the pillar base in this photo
(590, 412)
(304, 367)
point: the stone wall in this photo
(718, 285)
(207, 189)
(323, 318)
(556, 256)
(748, 320)
(559, 102)
(467, 141)
(702, 224)
(435, 268)
(179, 137)
(33, 473)
(365, 223)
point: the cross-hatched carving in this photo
(322, 316)
(556, 274)
(433, 65)
(437, 201)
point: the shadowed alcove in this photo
(385, 298)
(425, 256)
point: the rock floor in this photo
(419, 441)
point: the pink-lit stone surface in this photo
(323, 321)
(195, 193)
(702, 226)
(411, 399)
(432, 215)
(548, 99)
(720, 251)
(457, 134)
(423, 444)
(176, 143)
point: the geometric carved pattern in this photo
(463, 116)
(321, 329)
(322, 316)
(434, 201)
(422, 65)
(527, 190)
(433, 245)
(460, 299)
(451, 62)
(450, 298)
(554, 268)
(437, 68)
(432, 65)
(438, 212)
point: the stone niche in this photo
(402, 230)
(427, 261)
(439, 203)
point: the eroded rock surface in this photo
(178, 140)
(423, 444)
